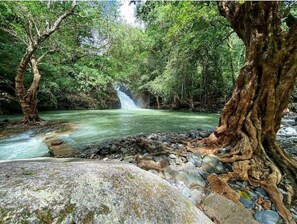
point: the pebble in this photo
(195, 158)
(247, 203)
(113, 148)
(172, 156)
(219, 168)
(259, 191)
(267, 217)
(253, 195)
(287, 131)
(210, 160)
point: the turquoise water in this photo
(96, 125)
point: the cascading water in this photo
(126, 101)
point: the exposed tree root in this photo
(246, 165)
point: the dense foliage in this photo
(184, 55)
(73, 73)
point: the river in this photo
(96, 125)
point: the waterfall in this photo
(126, 101)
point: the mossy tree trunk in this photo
(251, 118)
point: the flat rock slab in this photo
(60, 149)
(84, 191)
(226, 211)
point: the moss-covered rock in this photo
(68, 191)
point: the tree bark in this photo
(24, 96)
(251, 118)
(158, 102)
(231, 60)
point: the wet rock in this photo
(267, 217)
(89, 192)
(60, 149)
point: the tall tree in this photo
(251, 118)
(33, 32)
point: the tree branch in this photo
(55, 26)
(35, 26)
(44, 54)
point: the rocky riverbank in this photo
(165, 155)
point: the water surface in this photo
(96, 125)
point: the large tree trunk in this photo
(251, 118)
(158, 102)
(28, 98)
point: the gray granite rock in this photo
(76, 191)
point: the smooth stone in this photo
(219, 168)
(254, 196)
(191, 178)
(172, 156)
(195, 158)
(209, 168)
(187, 166)
(113, 148)
(247, 203)
(267, 217)
(211, 160)
(260, 192)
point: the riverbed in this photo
(97, 125)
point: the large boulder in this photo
(83, 191)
